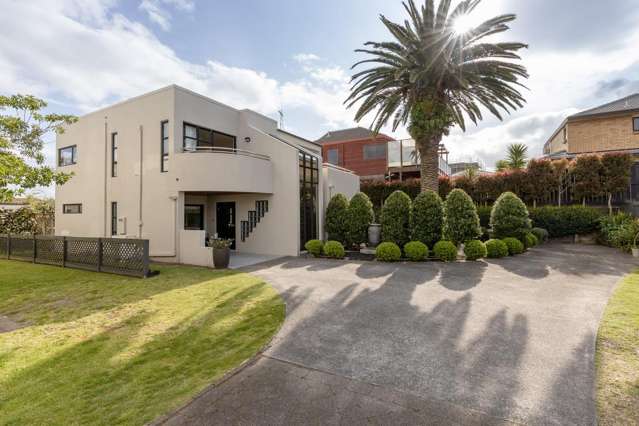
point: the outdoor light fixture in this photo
(247, 139)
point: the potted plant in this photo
(374, 234)
(221, 252)
(635, 250)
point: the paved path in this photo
(493, 342)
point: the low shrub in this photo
(474, 250)
(416, 251)
(461, 222)
(395, 218)
(359, 217)
(618, 231)
(566, 221)
(388, 252)
(541, 234)
(337, 218)
(446, 251)
(530, 240)
(496, 249)
(427, 219)
(509, 217)
(514, 246)
(314, 247)
(334, 249)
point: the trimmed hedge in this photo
(461, 222)
(566, 221)
(336, 218)
(395, 218)
(496, 249)
(427, 219)
(416, 251)
(388, 252)
(530, 240)
(314, 247)
(541, 234)
(334, 249)
(514, 246)
(509, 217)
(359, 217)
(474, 250)
(446, 251)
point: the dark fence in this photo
(113, 255)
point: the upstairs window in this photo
(72, 209)
(332, 156)
(164, 147)
(196, 137)
(114, 155)
(67, 156)
(375, 152)
(635, 124)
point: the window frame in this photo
(114, 154)
(66, 206)
(114, 218)
(376, 146)
(164, 155)
(197, 140)
(635, 124)
(202, 217)
(328, 156)
(74, 155)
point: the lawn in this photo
(106, 349)
(618, 357)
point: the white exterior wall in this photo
(211, 177)
(339, 181)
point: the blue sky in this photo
(84, 54)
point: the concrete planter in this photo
(374, 234)
(221, 257)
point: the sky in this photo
(80, 55)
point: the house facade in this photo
(178, 168)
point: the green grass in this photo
(105, 349)
(618, 356)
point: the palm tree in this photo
(502, 165)
(516, 158)
(433, 74)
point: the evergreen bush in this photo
(461, 222)
(427, 219)
(496, 249)
(395, 218)
(336, 218)
(509, 217)
(388, 252)
(474, 250)
(314, 247)
(360, 216)
(416, 251)
(446, 251)
(334, 249)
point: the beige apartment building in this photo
(178, 168)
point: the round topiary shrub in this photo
(334, 249)
(336, 218)
(496, 249)
(509, 217)
(541, 234)
(446, 251)
(314, 247)
(416, 251)
(474, 250)
(461, 222)
(395, 218)
(514, 246)
(530, 240)
(427, 219)
(360, 216)
(388, 252)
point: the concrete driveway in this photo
(498, 342)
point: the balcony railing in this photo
(229, 151)
(403, 153)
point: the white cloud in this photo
(159, 13)
(303, 58)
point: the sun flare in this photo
(463, 24)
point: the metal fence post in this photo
(99, 265)
(64, 252)
(145, 258)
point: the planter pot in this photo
(221, 257)
(635, 252)
(374, 234)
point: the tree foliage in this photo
(23, 124)
(509, 217)
(461, 222)
(587, 170)
(540, 179)
(395, 218)
(615, 174)
(427, 220)
(337, 218)
(359, 218)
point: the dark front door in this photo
(225, 221)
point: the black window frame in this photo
(74, 155)
(382, 153)
(328, 156)
(65, 208)
(202, 219)
(205, 130)
(164, 153)
(114, 154)
(635, 124)
(309, 183)
(114, 218)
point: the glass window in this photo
(114, 154)
(114, 218)
(195, 137)
(309, 173)
(67, 156)
(375, 152)
(72, 208)
(635, 124)
(194, 217)
(333, 156)
(220, 140)
(164, 162)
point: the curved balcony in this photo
(208, 169)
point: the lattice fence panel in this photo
(124, 256)
(50, 250)
(82, 253)
(4, 240)
(22, 248)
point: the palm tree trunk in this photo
(610, 203)
(429, 166)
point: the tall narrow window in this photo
(114, 155)
(114, 218)
(164, 165)
(309, 180)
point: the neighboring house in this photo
(15, 204)
(373, 156)
(457, 168)
(177, 168)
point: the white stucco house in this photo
(178, 168)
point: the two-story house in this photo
(178, 168)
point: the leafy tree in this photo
(587, 173)
(427, 219)
(461, 222)
(540, 179)
(616, 174)
(23, 124)
(502, 165)
(336, 218)
(395, 218)
(360, 216)
(517, 156)
(433, 76)
(509, 217)
(560, 169)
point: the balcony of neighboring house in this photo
(404, 161)
(211, 162)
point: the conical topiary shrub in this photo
(427, 219)
(461, 222)
(336, 218)
(360, 216)
(509, 217)
(395, 218)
